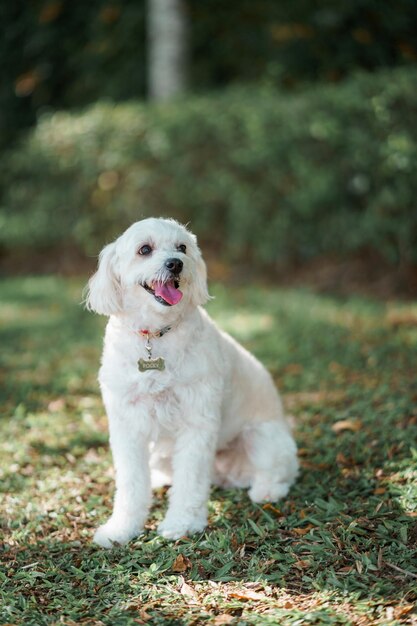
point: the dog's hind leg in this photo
(273, 455)
(232, 467)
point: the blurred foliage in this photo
(61, 54)
(259, 174)
(287, 42)
(57, 53)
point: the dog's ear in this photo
(200, 288)
(104, 293)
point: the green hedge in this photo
(259, 174)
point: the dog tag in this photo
(151, 364)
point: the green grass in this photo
(341, 549)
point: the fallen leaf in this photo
(343, 460)
(400, 611)
(296, 400)
(380, 558)
(247, 594)
(379, 491)
(188, 591)
(314, 466)
(303, 531)
(402, 318)
(293, 369)
(352, 424)
(389, 612)
(145, 617)
(224, 618)
(56, 405)
(181, 564)
(270, 507)
(288, 605)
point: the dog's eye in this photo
(145, 250)
(182, 248)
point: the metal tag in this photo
(151, 364)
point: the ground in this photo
(340, 549)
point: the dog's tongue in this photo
(168, 292)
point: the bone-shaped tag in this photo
(151, 364)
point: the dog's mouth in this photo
(167, 293)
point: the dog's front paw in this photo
(112, 534)
(176, 527)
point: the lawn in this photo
(340, 549)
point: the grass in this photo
(341, 549)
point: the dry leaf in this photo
(224, 618)
(380, 558)
(314, 466)
(181, 564)
(297, 400)
(400, 611)
(144, 615)
(288, 605)
(343, 460)
(402, 318)
(352, 424)
(379, 491)
(270, 507)
(56, 405)
(247, 594)
(293, 369)
(187, 590)
(303, 531)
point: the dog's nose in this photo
(174, 265)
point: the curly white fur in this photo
(213, 414)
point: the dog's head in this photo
(154, 265)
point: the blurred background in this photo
(283, 132)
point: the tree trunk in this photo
(167, 48)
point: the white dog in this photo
(187, 405)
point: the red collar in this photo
(154, 334)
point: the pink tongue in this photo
(168, 292)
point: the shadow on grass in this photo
(329, 546)
(48, 342)
(346, 529)
(336, 534)
(80, 443)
